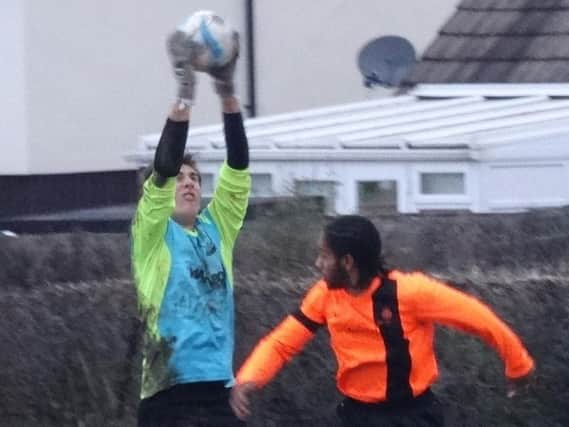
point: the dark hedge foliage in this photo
(70, 335)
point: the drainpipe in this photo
(251, 105)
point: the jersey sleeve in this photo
(151, 218)
(314, 303)
(229, 203)
(440, 303)
(283, 342)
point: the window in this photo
(325, 189)
(377, 196)
(261, 185)
(433, 183)
(207, 184)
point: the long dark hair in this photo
(357, 236)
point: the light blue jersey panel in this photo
(197, 314)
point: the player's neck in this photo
(186, 221)
(356, 286)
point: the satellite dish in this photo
(386, 61)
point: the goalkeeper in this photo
(182, 262)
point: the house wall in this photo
(489, 185)
(28, 195)
(307, 50)
(513, 186)
(13, 108)
(347, 174)
(83, 79)
(529, 173)
(97, 76)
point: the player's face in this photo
(188, 192)
(332, 270)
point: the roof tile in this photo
(499, 41)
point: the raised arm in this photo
(158, 193)
(172, 144)
(438, 302)
(237, 147)
(157, 201)
(229, 204)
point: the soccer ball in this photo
(217, 42)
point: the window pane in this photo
(261, 184)
(377, 196)
(325, 189)
(442, 183)
(207, 184)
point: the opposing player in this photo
(381, 326)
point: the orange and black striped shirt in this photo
(383, 337)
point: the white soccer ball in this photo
(216, 39)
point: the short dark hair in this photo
(188, 160)
(357, 236)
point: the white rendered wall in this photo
(306, 50)
(516, 186)
(13, 108)
(525, 174)
(93, 75)
(98, 76)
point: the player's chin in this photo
(188, 207)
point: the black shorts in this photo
(203, 404)
(423, 411)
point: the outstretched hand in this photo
(182, 51)
(223, 76)
(240, 399)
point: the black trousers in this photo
(423, 411)
(203, 404)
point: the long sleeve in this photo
(153, 212)
(274, 351)
(286, 340)
(171, 146)
(236, 142)
(148, 229)
(157, 201)
(228, 208)
(442, 304)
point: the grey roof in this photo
(499, 41)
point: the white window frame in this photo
(453, 199)
(211, 176)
